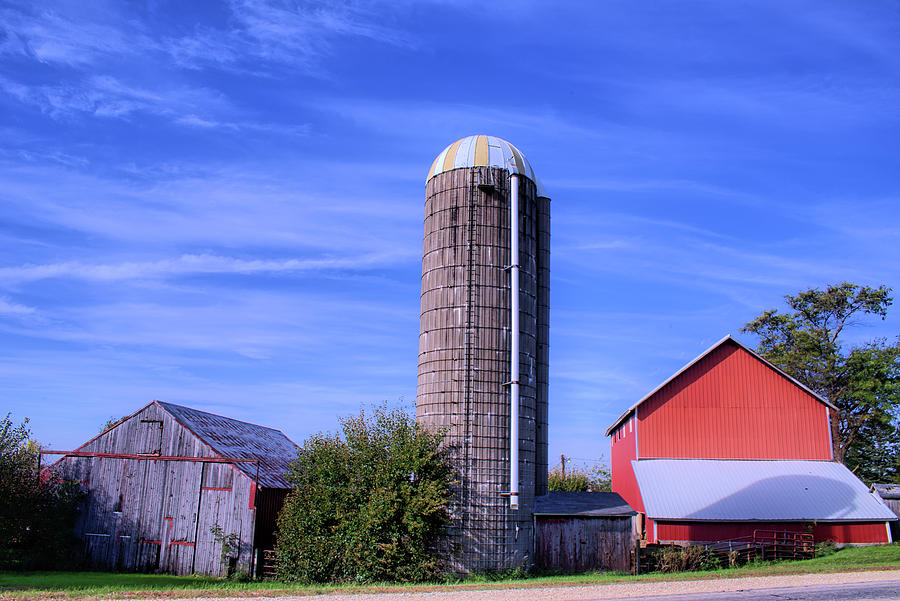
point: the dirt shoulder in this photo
(569, 592)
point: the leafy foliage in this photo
(230, 545)
(595, 479)
(367, 506)
(110, 422)
(37, 513)
(863, 381)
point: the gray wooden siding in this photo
(576, 544)
(153, 515)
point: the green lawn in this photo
(46, 585)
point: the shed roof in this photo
(232, 438)
(887, 491)
(585, 504)
(484, 151)
(742, 490)
(726, 340)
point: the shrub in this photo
(687, 559)
(37, 512)
(368, 505)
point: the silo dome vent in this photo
(485, 151)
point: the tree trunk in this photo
(836, 446)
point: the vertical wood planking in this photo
(148, 514)
(582, 544)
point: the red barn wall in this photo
(850, 532)
(623, 449)
(730, 405)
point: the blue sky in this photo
(220, 204)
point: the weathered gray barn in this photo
(583, 531)
(161, 479)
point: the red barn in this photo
(731, 444)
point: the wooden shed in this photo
(160, 482)
(890, 494)
(583, 531)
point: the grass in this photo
(64, 585)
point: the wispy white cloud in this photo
(283, 32)
(185, 265)
(303, 327)
(448, 118)
(109, 97)
(244, 126)
(10, 308)
(116, 382)
(303, 206)
(296, 33)
(52, 35)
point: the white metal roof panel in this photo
(738, 490)
(497, 152)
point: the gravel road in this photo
(614, 591)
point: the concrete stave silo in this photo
(466, 371)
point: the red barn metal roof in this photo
(232, 438)
(726, 340)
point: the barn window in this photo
(151, 437)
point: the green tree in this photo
(593, 479)
(37, 512)
(862, 381)
(110, 422)
(368, 505)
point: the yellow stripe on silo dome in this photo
(451, 156)
(433, 165)
(520, 164)
(482, 152)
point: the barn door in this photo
(216, 508)
(179, 523)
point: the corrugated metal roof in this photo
(586, 504)
(232, 438)
(485, 151)
(724, 340)
(738, 490)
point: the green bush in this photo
(37, 512)
(369, 505)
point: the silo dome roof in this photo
(485, 151)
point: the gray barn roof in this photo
(747, 490)
(584, 504)
(232, 438)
